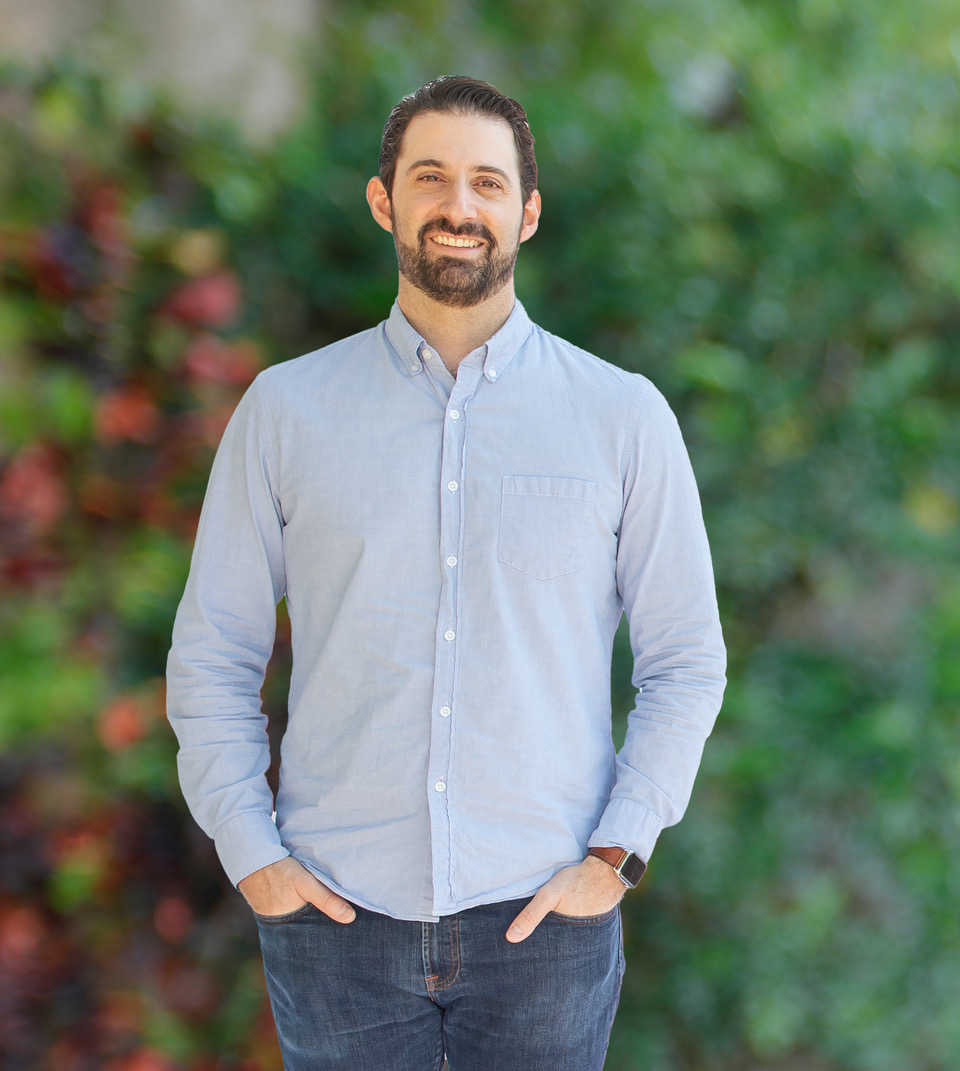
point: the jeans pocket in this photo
(543, 523)
(289, 916)
(585, 920)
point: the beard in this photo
(456, 281)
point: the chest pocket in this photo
(543, 523)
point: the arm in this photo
(665, 581)
(222, 640)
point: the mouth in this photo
(456, 243)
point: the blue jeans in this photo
(384, 995)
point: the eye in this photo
(489, 184)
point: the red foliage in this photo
(127, 412)
(104, 220)
(32, 493)
(35, 958)
(187, 989)
(53, 274)
(210, 301)
(142, 1060)
(101, 496)
(121, 724)
(23, 934)
(84, 257)
(211, 359)
(173, 918)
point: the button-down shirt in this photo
(456, 554)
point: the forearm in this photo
(660, 757)
(222, 763)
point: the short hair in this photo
(467, 96)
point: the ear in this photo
(531, 216)
(379, 204)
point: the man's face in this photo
(456, 211)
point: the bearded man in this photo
(458, 508)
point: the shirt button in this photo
(444, 712)
(428, 354)
(413, 367)
(451, 561)
(440, 786)
(452, 485)
(492, 373)
(449, 635)
(454, 414)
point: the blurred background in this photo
(755, 203)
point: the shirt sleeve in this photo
(665, 581)
(222, 640)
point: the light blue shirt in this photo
(455, 554)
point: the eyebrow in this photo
(484, 169)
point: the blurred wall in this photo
(246, 59)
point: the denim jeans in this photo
(380, 994)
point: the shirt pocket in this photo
(543, 523)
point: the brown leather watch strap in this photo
(613, 856)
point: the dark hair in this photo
(468, 96)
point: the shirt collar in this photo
(501, 348)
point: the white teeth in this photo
(460, 243)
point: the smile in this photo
(459, 243)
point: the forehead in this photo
(459, 140)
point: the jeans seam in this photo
(425, 956)
(434, 982)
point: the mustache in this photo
(467, 229)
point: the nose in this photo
(460, 201)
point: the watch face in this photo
(632, 868)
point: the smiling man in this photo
(458, 507)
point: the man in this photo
(458, 507)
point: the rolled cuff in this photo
(626, 824)
(248, 842)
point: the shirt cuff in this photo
(625, 824)
(247, 843)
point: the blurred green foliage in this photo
(754, 203)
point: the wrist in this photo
(627, 865)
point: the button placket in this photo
(440, 776)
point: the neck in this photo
(455, 332)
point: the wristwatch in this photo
(629, 867)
